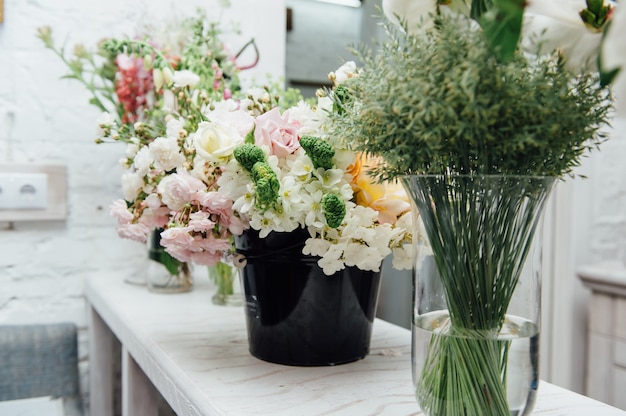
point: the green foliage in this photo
(252, 159)
(502, 25)
(319, 151)
(266, 183)
(440, 102)
(334, 209)
(596, 14)
(248, 154)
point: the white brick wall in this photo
(44, 118)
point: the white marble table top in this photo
(196, 355)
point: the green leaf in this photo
(502, 26)
(607, 77)
(250, 136)
(479, 7)
(171, 264)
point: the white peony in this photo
(557, 25)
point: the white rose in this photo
(185, 78)
(215, 142)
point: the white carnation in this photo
(175, 128)
(104, 122)
(345, 71)
(131, 150)
(131, 185)
(142, 161)
(185, 78)
(166, 153)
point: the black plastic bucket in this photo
(297, 315)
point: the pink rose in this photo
(275, 131)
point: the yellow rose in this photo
(388, 198)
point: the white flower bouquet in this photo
(289, 174)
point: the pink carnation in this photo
(179, 189)
(119, 210)
(206, 258)
(218, 204)
(135, 232)
(177, 237)
(275, 131)
(200, 222)
(179, 253)
(155, 218)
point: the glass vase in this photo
(225, 276)
(477, 291)
(164, 273)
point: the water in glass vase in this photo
(475, 373)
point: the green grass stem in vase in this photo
(478, 136)
(226, 280)
(480, 229)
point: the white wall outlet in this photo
(33, 192)
(23, 191)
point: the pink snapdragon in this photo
(133, 83)
(276, 132)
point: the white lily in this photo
(614, 56)
(416, 13)
(556, 25)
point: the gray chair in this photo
(38, 361)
